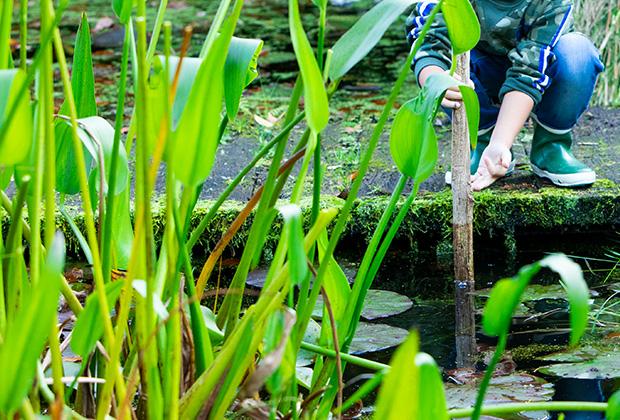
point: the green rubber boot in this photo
(476, 154)
(552, 158)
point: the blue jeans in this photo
(573, 77)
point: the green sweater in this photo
(525, 31)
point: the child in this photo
(529, 61)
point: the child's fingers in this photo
(446, 103)
(454, 95)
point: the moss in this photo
(527, 354)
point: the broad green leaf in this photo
(215, 333)
(187, 78)
(613, 407)
(88, 327)
(399, 394)
(26, 334)
(462, 23)
(413, 142)
(122, 9)
(17, 139)
(357, 42)
(196, 135)
(571, 278)
(297, 259)
(472, 108)
(122, 231)
(239, 70)
(431, 393)
(315, 96)
(507, 294)
(97, 136)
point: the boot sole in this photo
(448, 175)
(566, 180)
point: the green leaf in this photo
(17, 139)
(463, 25)
(122, 231)
(431, 393)
(315, 96)
(357, 42)
(88, 327)
(82, 76)
(399, 394)
(26, 334)
(122, 9)
(335, 281)
(97, 136)
(297, 259)
(613, 407)
(413, 142)
(239, 70)
(507, 294)
(196, 135)
(577, 290)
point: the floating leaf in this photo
(16, 141)
(370, 338)
(517, 387)
(584, 363)
(462, 23)
(239, 70)
(357, 42)
(378, 304)
(399, 393)
(315, 96)
(26, 334)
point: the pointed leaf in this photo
(571, 278)
(315, 96)
(613, 407)
(463, 25)
(239, 70)
(335, 281)
(357, 42)
(17, 139)
(399, 394)
(26, 334)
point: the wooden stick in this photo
(462, 231)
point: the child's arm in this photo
(514, 112)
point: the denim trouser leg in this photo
(573, 76)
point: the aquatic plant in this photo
(144, 343)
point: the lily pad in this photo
(313, 332)
(584, 363)
(516, 387)
(371, 338)
(304, 376)
(378, 304)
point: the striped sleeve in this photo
(549, 20)
(436, 49)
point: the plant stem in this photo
(118, 125)
(511, 408)
(355, 360)
(23, 34)
(499, 350)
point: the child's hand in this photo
(453, 98)
(494, 164)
